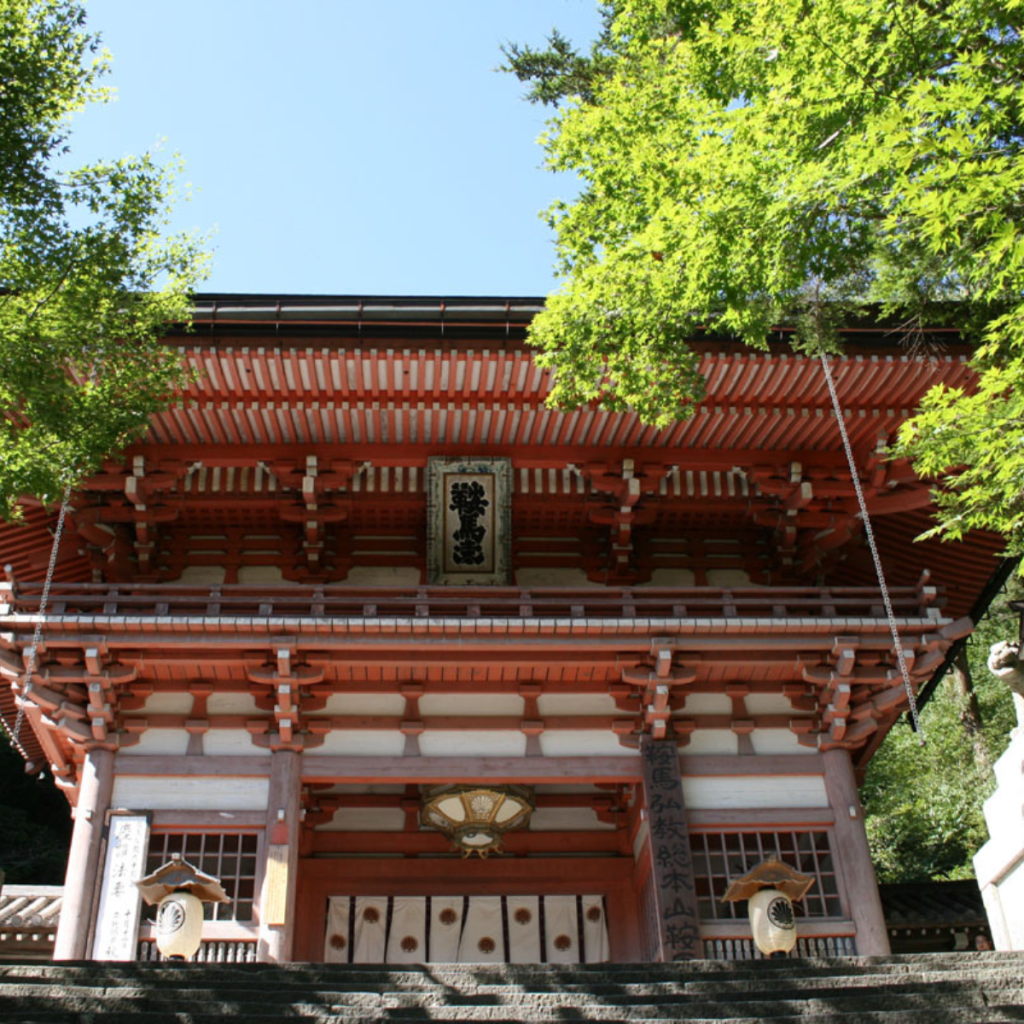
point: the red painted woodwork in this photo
(611, 877)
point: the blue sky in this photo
(343, 147)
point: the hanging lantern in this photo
(770, 890)
(179, 890)
(475, 818)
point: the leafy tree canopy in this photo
(87, 282)
(749, 162)
(925, 817)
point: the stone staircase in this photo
(963, 988)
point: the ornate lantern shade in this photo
(770, 890)
(179, 890)
(475, 818)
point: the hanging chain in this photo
(900, 657)
(37, 636)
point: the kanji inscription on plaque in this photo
(675, 897)
(469, 520)
(467, 500)
(117, 923)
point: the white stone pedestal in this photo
(999, 864)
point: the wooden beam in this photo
(524, 456)
(608, 841)
(172, 765)
(528, 770)
(773, 817)
(751, 764)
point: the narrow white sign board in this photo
(117, 924)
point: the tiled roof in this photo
(30, 906)
(933, 904)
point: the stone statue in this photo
(1005, 663)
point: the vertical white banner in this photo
(117, 923)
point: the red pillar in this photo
(281, 859)
(853, 856)
(97, 783)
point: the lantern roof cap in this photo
(770, 872)
(177, 875)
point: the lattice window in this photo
(230, 856)
(719, 857)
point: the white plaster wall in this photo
(199, 575)
(459, 743)
(382, 576)
(769, 704)
(752, 791)
(190, 793)
(364, 704)
(361, 743)
(707, 704)
(366, 819)
(778, 741)
(576, 704)
(159, 741)
(230, 743)
(253, 575)
(553, 577)
(471, 704)
(728, 578)
(567, 819)
(583, 743)
(232, 704)
(712, 741)
(166, 704)
(670, 578)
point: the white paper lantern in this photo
(179, 925)
(772, 921)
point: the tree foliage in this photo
(87, 281)
(924, 813)
(750, 162)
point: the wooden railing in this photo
(811, 945)
(214, 951)
(339, 601)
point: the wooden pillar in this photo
(675, 897)
(281, 860)
(95, 788)
(852, 855)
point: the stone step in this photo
(252, 989)
(920, 989)
(937, 983)
(390, 1008)
(156, 973)
(994, 1014)
(632, 992)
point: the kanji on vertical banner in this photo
(671, 861)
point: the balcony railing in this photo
(340, 601)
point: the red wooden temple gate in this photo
(362, 560)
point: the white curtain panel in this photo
(561, 931)
(482, 938)
(370, 929)
(595, 930)
(445, 929)
(479, 938)
(523, 929)
(407, 942)
(336, 949)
